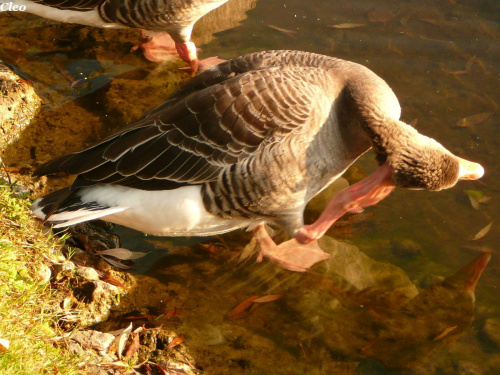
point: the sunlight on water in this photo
(379, 303)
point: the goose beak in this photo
(469, 170)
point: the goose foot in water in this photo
(290, 254)
(159, 46)
(364, 193)
(156, 46)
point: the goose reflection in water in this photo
(362, 309)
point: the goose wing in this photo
(195, 136)
(78, 5)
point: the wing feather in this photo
(191, 139)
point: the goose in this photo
(160, 21)
(250, 142)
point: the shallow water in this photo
(441, 58)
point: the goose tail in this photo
(66, 207)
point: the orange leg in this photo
(364, 193)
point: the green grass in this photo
(29, 307)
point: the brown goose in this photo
(248, 142)
(156, 18)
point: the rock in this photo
(43, 273)
(93, 339)
(491, 330)
(19, 103)
(63, 269)
(405, 247)
(87, 273)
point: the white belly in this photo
(178, 212)
(89, 18)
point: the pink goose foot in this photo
(156, 47)
(364, 193)
(290, 255)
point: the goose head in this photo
(420, 162)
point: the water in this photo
(440, 58)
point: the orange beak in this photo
(469, 170)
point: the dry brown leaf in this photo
(347, 25)
(483, 232)
(444, 333)
(484, 199)
(178, 340)
(268, 298)
(473, 120)
(474, 202)
(284, 31)
(134, 346)
(238, 311)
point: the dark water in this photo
(441, 58)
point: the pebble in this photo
(87, 273)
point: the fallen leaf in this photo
(134, 346)
(178, 340)
(123, 254)
(484, 199)
(238, 311)
(121, 340)
(284, 31)
(111, 280)
(347, 25)
(474, 202)
(116, 263)
(118, 332)
(169, 313)
(483, 232)
(444, 333)
(268, 298)
(473, 120)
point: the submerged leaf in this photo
(284, 31)
(474, 202)
(123, 254)
(177, 341)
(473, 120)
(444, 333)
(483, 232)
(476, 194)
(484, 199)
(239, 311)
(347, 25)
(268, 298)
(116, 263)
